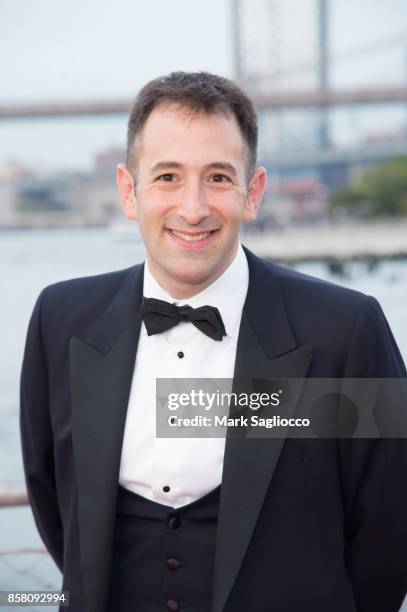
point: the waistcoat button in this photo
(172, 604)
(174, 522)
(172, 564)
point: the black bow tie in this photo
(159, 316)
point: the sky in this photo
(93, 50)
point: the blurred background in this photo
(329, 79)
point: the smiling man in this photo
(190, 182)
(138, 522)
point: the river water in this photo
(30, 260)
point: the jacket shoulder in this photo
(326, 315)
(316, 293)
(81, 299)
(349, 320)
(85, 287)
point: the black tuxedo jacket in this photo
(304, 525)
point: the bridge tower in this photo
(281, 46)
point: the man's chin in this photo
(195, 282)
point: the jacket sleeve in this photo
(37, 439)
(374, 478)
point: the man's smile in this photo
(191, 240)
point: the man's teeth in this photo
(189, 238)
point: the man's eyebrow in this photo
(164, 165)
(228, 167)
(173, 165)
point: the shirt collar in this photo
(227, 293)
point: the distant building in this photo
(295, 202)
(106, 161)
(384, 138)
(101, 191)
(33, 199)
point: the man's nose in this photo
(192, 206)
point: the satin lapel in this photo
(266, 349)
(102, 365)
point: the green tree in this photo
(382, 191)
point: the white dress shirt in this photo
(189, 467)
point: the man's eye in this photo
(166, 178)
(219, 178)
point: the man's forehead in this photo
(171, 129)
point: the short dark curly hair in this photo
(200, 92)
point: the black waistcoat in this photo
(163, 557)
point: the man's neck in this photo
(184, 291)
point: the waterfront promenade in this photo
(332, 243)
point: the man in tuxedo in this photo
(137, 522)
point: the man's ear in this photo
(125, 185)
(257, 186)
